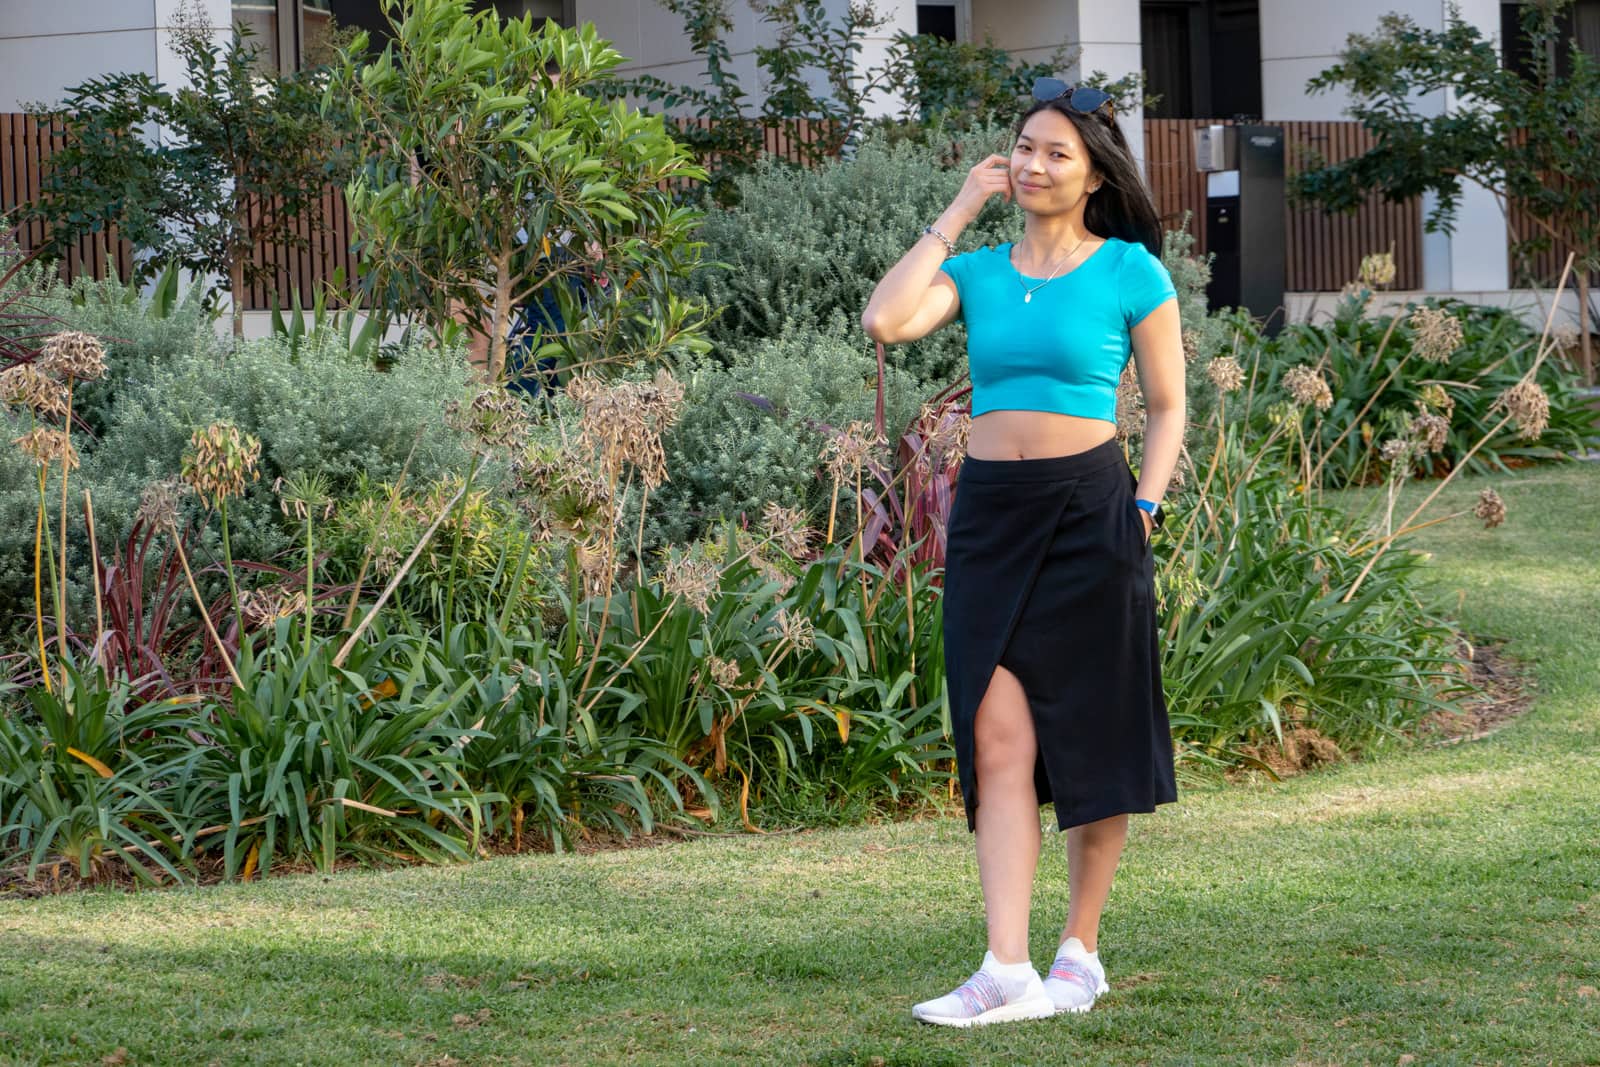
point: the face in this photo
(1050, 166)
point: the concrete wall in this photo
(653, 40)
(1028, 29)
(1104, 36)
(1299, 40)
(901, 17)
(48, 46)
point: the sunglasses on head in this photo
(1082, 99)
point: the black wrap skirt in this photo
(1048, 574)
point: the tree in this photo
(965, 83)
(492, 179)
(810, 75)
(1534, 141)
(813, 74)
(202, 175)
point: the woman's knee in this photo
(1003, 733)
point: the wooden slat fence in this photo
(1324, 251)
(25, 143)
(1540, 268)
(794, 142)
(305, 270)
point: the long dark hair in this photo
(1121, 207)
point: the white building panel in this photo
(47, 46)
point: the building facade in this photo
(1220, 59)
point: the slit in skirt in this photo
(1047, 573)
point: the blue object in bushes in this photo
(538, 315)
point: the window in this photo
(1586, 26)
(1580, 22)
(937, 20)
(1166, 53)
(1235, 58)
(1202, 57)
(563, 11)
(284, 31)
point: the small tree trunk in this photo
(236, 287)
(1585, 342)
(502, 314)
(240, 245)
(108, 250)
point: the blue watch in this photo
(1157, 516)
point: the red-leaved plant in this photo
(906, 508)
(26, 327)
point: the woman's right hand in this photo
(990, 176)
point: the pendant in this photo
(1027, 298)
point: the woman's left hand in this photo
(1149, 524)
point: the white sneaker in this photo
(986, 998)
(1076, 978)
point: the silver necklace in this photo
(1027, 293)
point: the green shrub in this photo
(806, 246)
(319, 412)
(538, 755)
(140, 334)
(752, 432)
(1376, 372)
(479, 547)
(823, 676)
(81, 781)
(1259, 636)
(967, 83)
(411, 748)
(313, 759)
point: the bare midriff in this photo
(1034, 434)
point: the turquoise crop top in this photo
(1064, 350)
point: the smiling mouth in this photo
(1027, 185)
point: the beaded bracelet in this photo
(950, 248)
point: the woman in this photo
(1050, 629)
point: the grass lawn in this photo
(1439, 903)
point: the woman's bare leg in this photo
(1008, 814)
(1093, 851)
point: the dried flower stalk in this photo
(1226, 374)
(73, 356)
(1437, 334)
(26, 386)
(1490, 508)
(1308, 387)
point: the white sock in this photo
(1095, 955)
(1068, 993)
(1013, 977)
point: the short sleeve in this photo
(1143, 285)
(959, 268)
